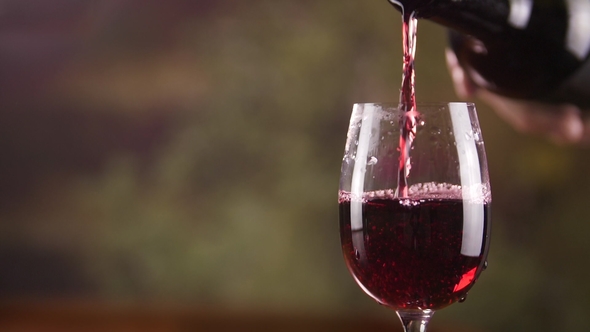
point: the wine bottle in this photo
(524, 49)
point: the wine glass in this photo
(414, 204)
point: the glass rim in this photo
(428, 103)
(422, 108)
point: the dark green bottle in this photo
(524, 49)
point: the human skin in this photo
(562, 124)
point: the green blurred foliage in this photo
(195, 159)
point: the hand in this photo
(562, 124)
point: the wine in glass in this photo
(414, 220)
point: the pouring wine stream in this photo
(407, 98)
(412, 320)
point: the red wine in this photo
(409, 253)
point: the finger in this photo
(586, 136)
(463, 86)
(562, 124)
(568, 127)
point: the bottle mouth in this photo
(416, 8)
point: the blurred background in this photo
(186, 153)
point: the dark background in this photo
(188, 152)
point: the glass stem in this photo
(415, 320)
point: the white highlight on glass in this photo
(360, 166)
(368, 122)
(471, 184)
(577, 41)
(520, 13)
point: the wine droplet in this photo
(357, 254)
(461, 300)
(485, 265)
(372, 161)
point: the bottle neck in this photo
(479, 18)
(528, 49)
(555, 24)
(541, 43)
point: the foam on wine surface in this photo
(422, 191)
